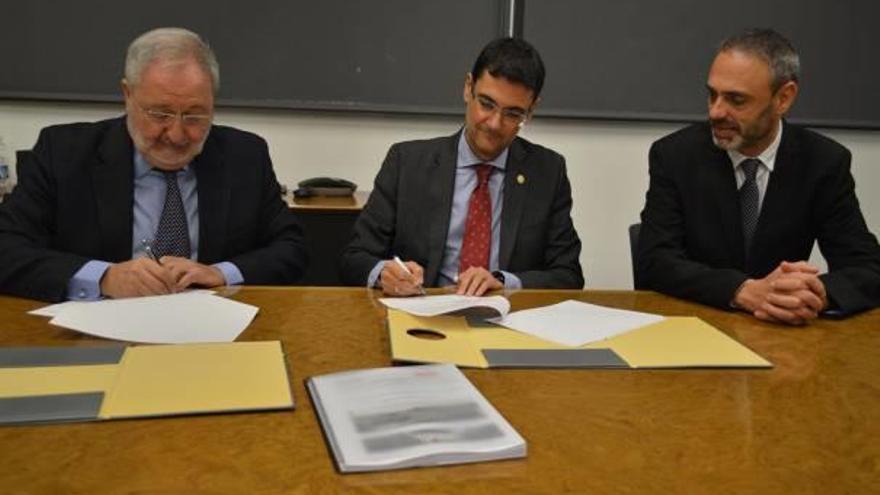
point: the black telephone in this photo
(325, 186)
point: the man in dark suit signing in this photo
(734, 205)
(482, 209)
(153, 202)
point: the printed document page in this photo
(390, 418)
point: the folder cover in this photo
(675, 342)
(50, 384)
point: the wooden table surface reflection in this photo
(809, 425)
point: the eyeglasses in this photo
(195, 120)
(509, 116)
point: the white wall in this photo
(607, 160)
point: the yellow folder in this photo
(141, 381)
(675, 342)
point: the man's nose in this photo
(176, 132)
(717, 109)
(495, 119)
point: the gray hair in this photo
(170, 44)
(773, 48)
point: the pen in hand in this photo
(408, 272)
(148, 248)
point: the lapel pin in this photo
(520, 179)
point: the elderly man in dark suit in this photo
(482, 209)
(153, 202)
(734, 205)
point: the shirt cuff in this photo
(511, 281)
(230, 272)
(85, 285)
(374, 274)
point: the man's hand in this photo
(138, 277)
(187, 273)
(792, 294)
(396, 282)
(477, 281)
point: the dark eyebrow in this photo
(486, 97)
(518, 109)
(728, 94)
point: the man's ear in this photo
(126, 89)
(785, 97)
(468, 86)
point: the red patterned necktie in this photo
(478, 227)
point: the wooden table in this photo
(810, 425)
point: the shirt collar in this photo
(467, 158)
(142, 168)
(767, 157)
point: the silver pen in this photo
(408, 272)
(148, 248)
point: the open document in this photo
(170, 319)
(449, 304)
(104, 382)
(392, 418)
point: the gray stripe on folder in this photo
(51, 408)
(26, 357)
(553, 358)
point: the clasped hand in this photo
(791, 294)
(145, 277)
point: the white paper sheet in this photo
(170, 319)
(443, 304)
(53, 310)
(575, 323)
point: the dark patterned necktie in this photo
(748, 200)
(477, 239)
(172, 235)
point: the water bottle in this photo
(5, 179)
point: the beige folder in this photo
(95, 383)
(676, 342)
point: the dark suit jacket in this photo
(691, 242)
(74, 199)
(408, 215)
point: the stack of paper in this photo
(392, 418)
(197, 316)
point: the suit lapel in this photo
(513, 201)
(721, 181)
(213, 189)
(112, 175)
(441, 184)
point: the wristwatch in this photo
(499, 276)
